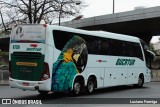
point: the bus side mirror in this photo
(152, 54)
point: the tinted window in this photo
(62, 37)
(116, 47)
(137, 51)
(146, 54)
(101, 46)
(92, 44)
(104, 48)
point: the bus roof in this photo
(102, 34)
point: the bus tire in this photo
(140, 81)
(91, 85)
(43, 92)
(77, 88)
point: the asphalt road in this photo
(151, 90)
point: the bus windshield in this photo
(28, 33)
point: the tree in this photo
(65, 11)
(36, 10)
(2, 20)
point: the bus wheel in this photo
(140, 82)
(43, 92)
(90, 86)
(76, 88)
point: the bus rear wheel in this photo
(77, 88)
(90, 86)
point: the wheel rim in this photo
(90, 86)
(77, 88)
(140, 81)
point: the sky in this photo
(103, 7)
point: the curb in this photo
(155, 80)
(4, 83)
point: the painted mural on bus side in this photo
(71, 61)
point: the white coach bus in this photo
(60, 59)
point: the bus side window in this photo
(92, 45)
(116, 45)
(61, 38)
(126, 49)
(138, 52)
(104, 48)
(146, 54)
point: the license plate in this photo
(26, 64)
(25, 84)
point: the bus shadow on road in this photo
(57, 96)
(116, 89)
(48, 96)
